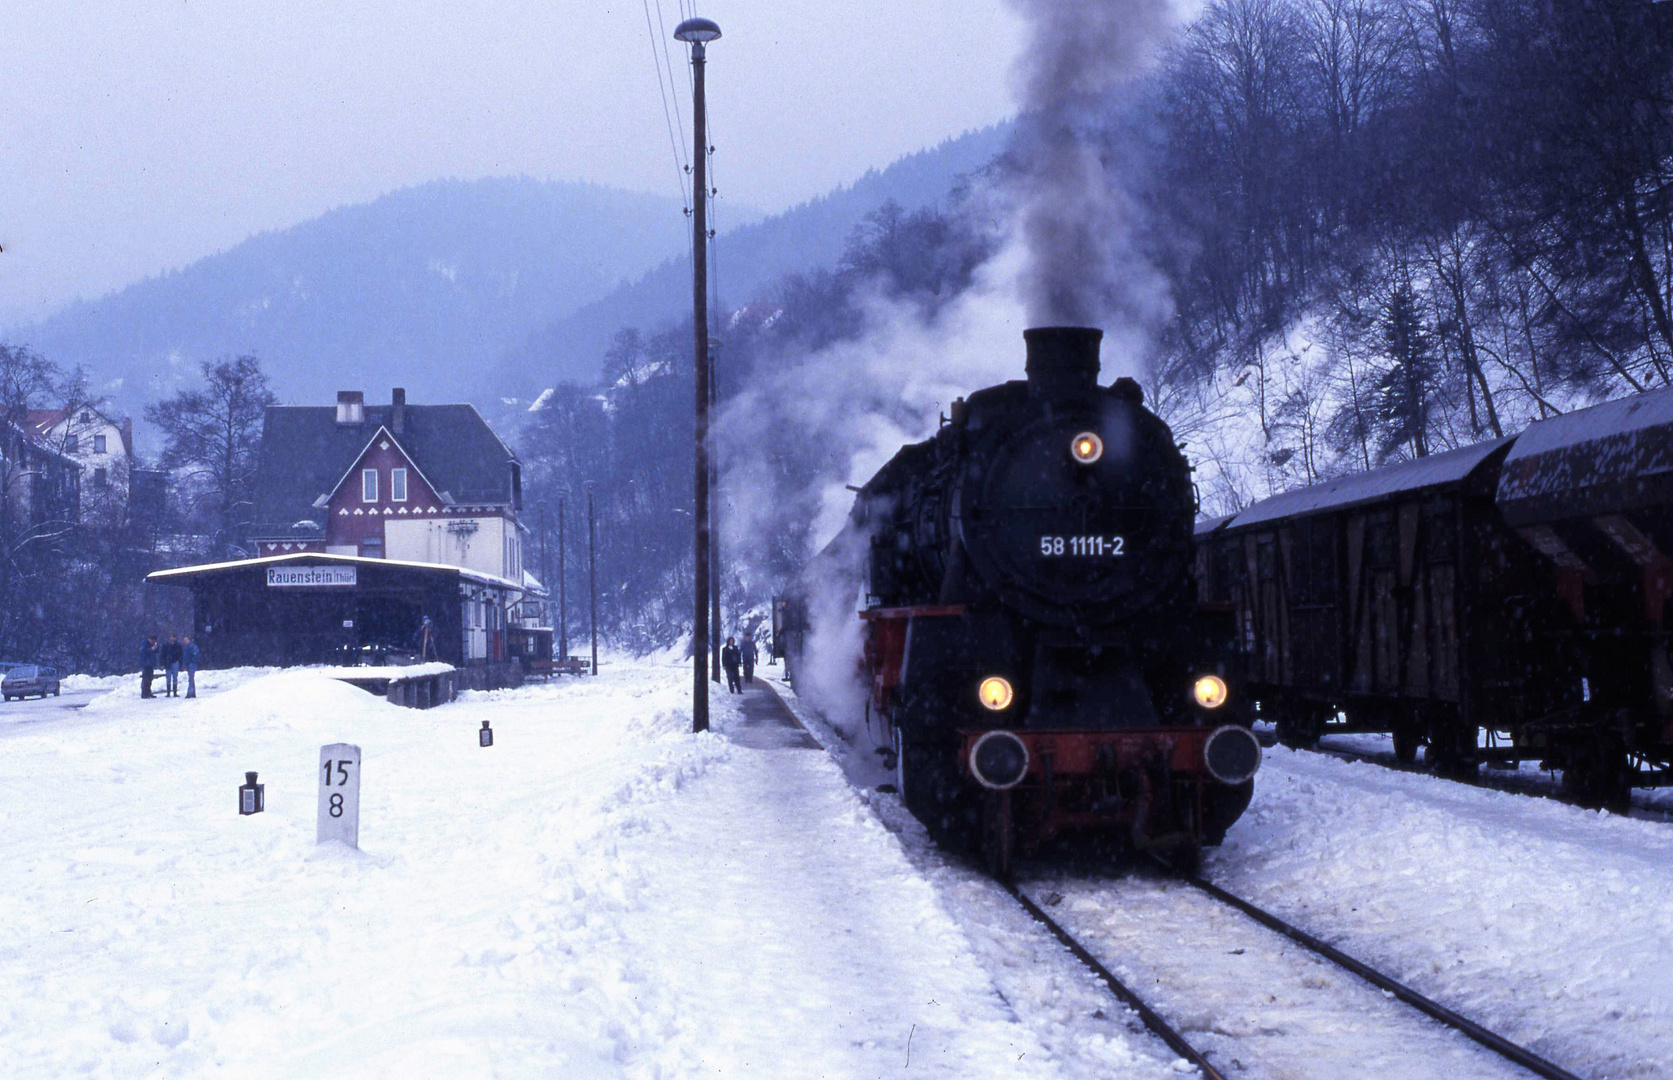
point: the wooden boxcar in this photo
(1390, 601)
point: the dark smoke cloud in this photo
(1083, 267)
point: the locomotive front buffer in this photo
(1162, 789)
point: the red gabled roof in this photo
(42, 421)
(386, 433)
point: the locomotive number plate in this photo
(1094, 546)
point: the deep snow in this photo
(603, 894)
(599, 894)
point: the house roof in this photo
(42, 421)
(181, 573)
(386, 433)
(1435, 470)
(305, 452)
(29, 437)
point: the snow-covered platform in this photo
(599, 894)
(764, 723)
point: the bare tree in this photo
(212, 439)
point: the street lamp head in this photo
(697, 31)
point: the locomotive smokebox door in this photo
(252, 797)
(485, 737)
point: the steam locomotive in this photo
(1032, 640)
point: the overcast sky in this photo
(139, 135)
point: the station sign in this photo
(289, 577)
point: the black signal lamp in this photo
(252, 797)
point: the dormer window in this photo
(351, 406)
(398, 485)
(369, 485)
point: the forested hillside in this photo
(421, 288)
(1381, 228)
(747, 259)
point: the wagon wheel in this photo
(1407, 738)
(1597, 774)
(1299, 727)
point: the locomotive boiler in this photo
(1032, 637)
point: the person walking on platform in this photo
(147, 665)
(729, 661)
(171, 655)
(189, 656)
(749, 656)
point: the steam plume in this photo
(1083, 267)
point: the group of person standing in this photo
(732, 657)
(177, 653)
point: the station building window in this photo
(398, 485)
(99, 444)
(368, 485)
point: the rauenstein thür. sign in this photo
(305, 576)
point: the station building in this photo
(368, 519)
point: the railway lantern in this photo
(999, 760)
(485, 737)
(1086, 448)
(1210, 691)
(996, 693)
(252, 797)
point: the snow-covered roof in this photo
(1207, 525)
(1589, 459)
(164, 576)
(1434, 470)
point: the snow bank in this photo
(601, 893)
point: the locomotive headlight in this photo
(996, 693)
(1210, 691)
(1086, 448)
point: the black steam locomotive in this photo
(1032, 637)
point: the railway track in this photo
(1516, 1055)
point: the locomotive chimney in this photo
(1062, 360)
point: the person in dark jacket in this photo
(147, 666)
(171, 656)
(189, 655)
(749, 656)
(729, 661)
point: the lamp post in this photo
(698, 33)
(545, 575)
(715, 631)
(563, 605)
(592, 573)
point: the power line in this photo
(680, 168)
(669, 64)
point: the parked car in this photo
(27, 679)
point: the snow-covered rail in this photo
(1151, 1018)
(1172, 1036)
